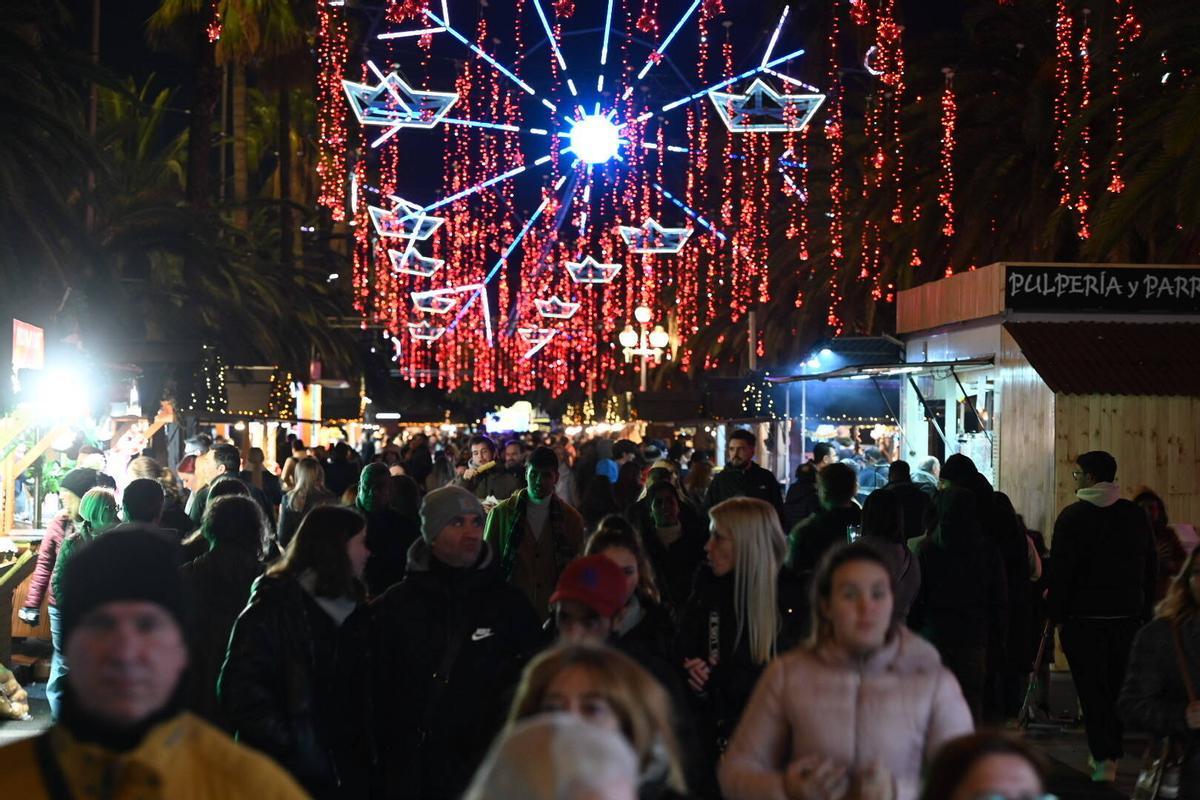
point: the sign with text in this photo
(29, 346)
(1131, 291)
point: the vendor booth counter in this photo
(1028, 365)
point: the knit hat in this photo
(595, 581)
(442, 505)
(122, 565)
(79, 480)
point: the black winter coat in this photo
(963, 599)
(1104, 562)
(675, 565)
(732, 680)
(813, 537)
(389, 536)
(293, 686)
(219, 583)
(752, 481)
(434, 730)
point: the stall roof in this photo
(889, 370)
(1113, 357)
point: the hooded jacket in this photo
(897, 706)
(1103, 559)
(751, 480)
(434, 730)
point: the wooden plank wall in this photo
(965, 296)
(1024, 427)
(1156, 441)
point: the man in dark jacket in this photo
(741, 477)
(219, 586)
(812, 538)
(801, 499)
(228, 461)
(1100, 591)
(449, 644)
(389, 534)
(912, 499)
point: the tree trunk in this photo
(286, 230)
(241, 212)
(200, 123)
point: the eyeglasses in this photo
(1076, 474)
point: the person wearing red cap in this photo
(588, 600)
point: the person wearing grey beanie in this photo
(448, 644)
(441, 506)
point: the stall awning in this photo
(895, 369)
(1113, 357)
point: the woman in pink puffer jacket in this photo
(856, 711)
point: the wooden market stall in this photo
(1082, 357)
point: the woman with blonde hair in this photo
(745, 608)
(893, 702)
(1159, 693)
(609, 690)
(308, 491)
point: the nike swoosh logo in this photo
(481, 634)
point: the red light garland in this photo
(1127, 30)
(835, 133)
(1083, 196)
(1063, 57)
(946, 179)
(333, 52)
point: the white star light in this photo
(392, 103)
(425, 331)
(441, 301)
(411, 262)
(761, 109)
(537, 338)
(592, 271)
(556, 307)
(654, 238)
(404, 221)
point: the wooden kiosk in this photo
(1056, 360)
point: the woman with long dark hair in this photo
(296, 662)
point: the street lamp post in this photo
(643, 342)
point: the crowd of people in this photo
(552, 619)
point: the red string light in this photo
(215, 24)
(946, 179)
(333, 52)
(1127, 30)
(1083, 195)
(835, 133)
(1063, 57)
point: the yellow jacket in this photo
(183, 758)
